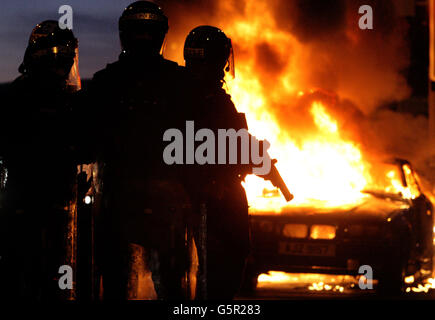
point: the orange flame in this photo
(325, 170)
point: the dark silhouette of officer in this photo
(39, 166)
(133, 102)
(208, 54)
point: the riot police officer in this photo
(133, 101)
(208, 55)
(38, 151)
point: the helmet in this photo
(52, 51)
(209, 49)
(142, 28)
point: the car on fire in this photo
(392, 232)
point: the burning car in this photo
(389, 229)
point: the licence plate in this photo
(306, 249)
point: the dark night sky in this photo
(95, 24)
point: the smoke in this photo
(269, 62)
(290, 46)
(364, 66)
(310, 20)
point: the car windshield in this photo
(387, 180)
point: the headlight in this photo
(295, 231)
(320, 231)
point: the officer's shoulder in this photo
(111, 69)
(17, 85)
(20, 80)
(223, 95)
(172, 66)
(223, 99)
(170, 63)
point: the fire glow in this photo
(325, 169)
(275, 67)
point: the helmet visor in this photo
(231, 68)
(73, 81)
